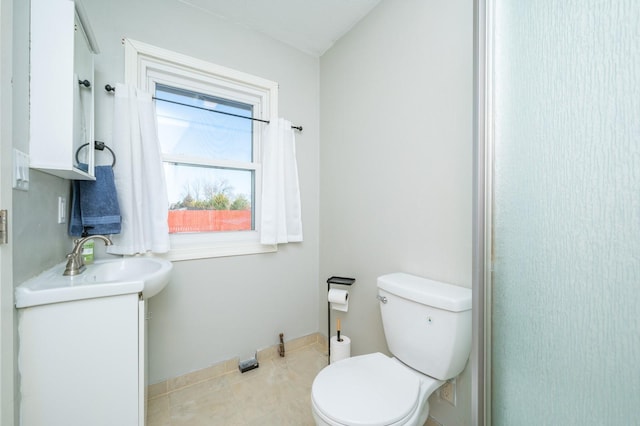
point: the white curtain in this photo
(281, 218)
(139, 175)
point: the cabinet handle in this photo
(85, 83)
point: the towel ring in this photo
(100, 146)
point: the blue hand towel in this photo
(94, 205)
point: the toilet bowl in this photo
(373, 390)
(427, 325)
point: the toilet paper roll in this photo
(339, 299)
(340, 350)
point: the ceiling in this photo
(311, 26)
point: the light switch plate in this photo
(62, 210)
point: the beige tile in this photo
(276, 393)
(281, 418)
(193, 404)
(198, 376)
(268, 353)
(229, 366)
(188, 379)
(227, 418)
(157, 389)
(158, 411)
(308, 362)
(322, 341)
(301, 342)
(273, 352)
(432, 422)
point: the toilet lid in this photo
(366, 390)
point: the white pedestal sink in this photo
(146, 275)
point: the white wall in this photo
(216, 309)
(396, 131)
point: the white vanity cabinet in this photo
(61, 89)
(82, 362)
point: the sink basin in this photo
(146, 275)
(152, 271)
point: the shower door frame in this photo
(482, 210)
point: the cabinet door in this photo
(61, 111)
(79, 363)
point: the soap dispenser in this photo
(87, 248)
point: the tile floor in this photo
(276, 393)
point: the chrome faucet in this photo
(75, 261)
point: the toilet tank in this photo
(427, 323)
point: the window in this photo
(209, 161)
(210, 148)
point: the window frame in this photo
(146, 65)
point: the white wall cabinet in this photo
(61, 108)
(82, 362)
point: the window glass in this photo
(208, 199)
(195, 131)
(208, 161)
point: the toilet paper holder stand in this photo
(334, 281)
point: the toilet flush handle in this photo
(381, 298)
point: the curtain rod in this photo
(110, 88)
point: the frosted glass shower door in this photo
(566, 212)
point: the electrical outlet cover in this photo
(448, 392)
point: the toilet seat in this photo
(367, 390)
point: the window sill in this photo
(218, 250)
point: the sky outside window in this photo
(196, 133)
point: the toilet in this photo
(427, 325)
